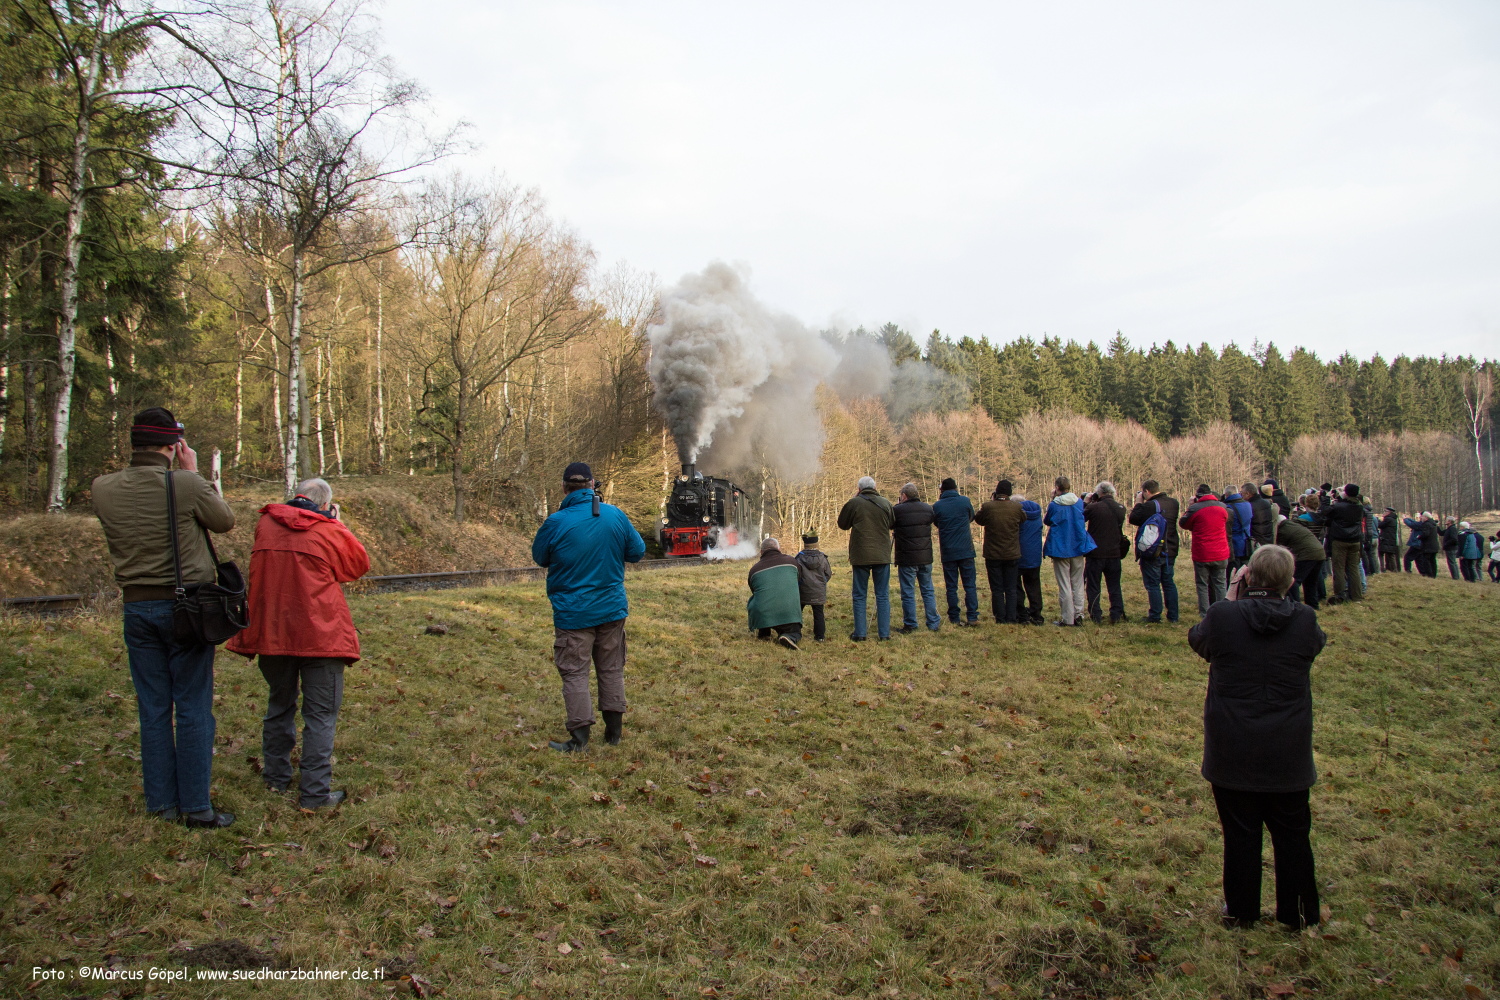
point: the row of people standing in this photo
(1462, 547)
(1333, 535)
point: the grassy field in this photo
(997, 812)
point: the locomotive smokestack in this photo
(688, 468)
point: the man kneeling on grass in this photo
(775, 596)
(584, 548)
(301, 630)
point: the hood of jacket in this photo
(949, 494)
(1066, 498)
(1268, 614)
(1233, 498)
(294, 518)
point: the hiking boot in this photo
(614, 725)
(787, 641)
(577, 742)
(907, 629)
(208, 819)
(331, 800)
(856, 638)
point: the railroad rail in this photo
(65, 604)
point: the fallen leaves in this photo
(705, 861)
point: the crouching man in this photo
(775, 596)
(301, 630)
(584, 548)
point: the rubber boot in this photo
(578, 741)
(614, 724)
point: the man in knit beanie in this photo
(174, 680)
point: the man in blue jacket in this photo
(1030, 566)
(952, 515)
(584, 548)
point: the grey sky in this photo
(1319, 174)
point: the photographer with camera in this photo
(302, 633)
(173, 677)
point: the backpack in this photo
(1150, 536)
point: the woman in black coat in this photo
(1257, 737)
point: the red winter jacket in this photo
(296, 605)
(1208, 519)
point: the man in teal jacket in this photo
(584, 548)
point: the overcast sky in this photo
(1324, 174)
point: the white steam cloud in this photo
(736, 381)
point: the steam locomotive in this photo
(701, 513)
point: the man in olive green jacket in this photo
(869, 518)
(174, 680)
(1002, 517)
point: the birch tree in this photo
(318, 161)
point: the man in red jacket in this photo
(1209, 519)
(301, 629)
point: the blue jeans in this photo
(169, 677)
(1157, 576)
(913, 577)
(861, 589)
(953, 570)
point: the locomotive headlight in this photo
(705, 519)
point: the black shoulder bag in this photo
(208, 612)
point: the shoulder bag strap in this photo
(172, 530)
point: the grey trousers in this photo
(321, 680)
(572, 649)
(1212, 579)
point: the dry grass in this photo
(404, 522)
(996, 812)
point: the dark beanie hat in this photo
(1272, 483)
(1004, 488)
(578, 472)
(948, 484)
(1350, 490)
(811, 538)
(155, 428)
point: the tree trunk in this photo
(458, 453)
(318, 395)
(30, 419)
(379, 367)
(4, 350)
(111, 397)
(296, 390)
(239, 397)
(333, 416)
(67, 334)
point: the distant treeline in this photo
(306, 315)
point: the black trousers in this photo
(1390, 562)
(1427, 564)
(1030, 593)
(1303, 587)
(793, 629)
(820, 625)
(1109, 569)
(1004, 576)
(1289, 818)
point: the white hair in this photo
(1463, 524)
(770, 543)
(867, 482)
(1105, 489)
(316, 490)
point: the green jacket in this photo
(1001, 520)
(869, 518)
(775, 597)
(132, 506)
(1294, 535)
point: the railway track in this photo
(65, 604)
